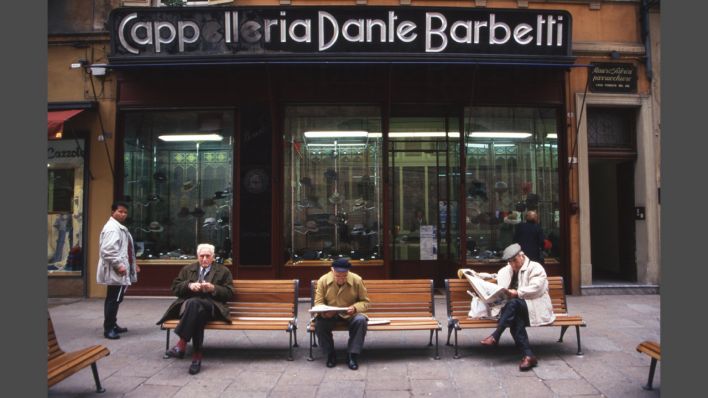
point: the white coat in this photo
(533, 289)
(113, 251)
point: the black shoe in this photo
(331, 360)
(174, 352)
(111, 334)
(195, 367)
(119, 329)
(353, 365)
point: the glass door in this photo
(423, 164)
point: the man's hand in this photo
(328, 314)
(195, 286)
(351, 310)
(207, 287)
(122, 270)
(513, 293)
(137, 268)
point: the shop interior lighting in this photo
(190, 137)
(500, 134)
(338, 145)
(416, 134)
(336, 134)
(552, 136)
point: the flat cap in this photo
(341, 264)
(511, 251)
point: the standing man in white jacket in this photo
(116, 267)
(528, 302)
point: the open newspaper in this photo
(327, 308)
(490, 293)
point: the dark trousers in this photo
(515, 316)
(114, 296)
(196, 312)
(357, 331)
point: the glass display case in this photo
(177, 180)
(512, 168)
(332, 183)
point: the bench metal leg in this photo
(457, 354)
(449, 333)
(648, 386)
(100, 389)
(430, 343)
(295, 332)
(563, 329)
(577, 334)
(312, 338)
(290, 345)
(167, 341)
(437, 351)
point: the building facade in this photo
(412, 137)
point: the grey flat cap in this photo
(511, 251)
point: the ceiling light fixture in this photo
(500, 134)
(190, 137)
(335, 134)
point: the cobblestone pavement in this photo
(393, 364)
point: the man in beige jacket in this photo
(528, 302)
(341, 288)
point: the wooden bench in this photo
(258, 305)
(458, 306)
(64, 364)
(407, 303)
(653, 349)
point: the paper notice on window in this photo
(327, 308)
(428, 243)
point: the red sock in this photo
(197, 356)
(182, 344)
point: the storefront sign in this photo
(66, 151)
(222, 34)
(613, 78)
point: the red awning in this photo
(56, 119)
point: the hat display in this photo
(311, 226)
(188, 186)
(155, 226)
(336, 198)
(501, 187)
(197, 212)
(514, 217)
(209, 222)
(511, 251)
(330, 174)
(341, 264)
(159, 176)
(183, 212)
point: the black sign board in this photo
(613, 78)
(223, 34)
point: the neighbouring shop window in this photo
(512, 167)
(177, 179)
(332, 183)
(65, 205)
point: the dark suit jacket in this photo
(219, 275)
(530, 237)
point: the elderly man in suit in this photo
(202, 290)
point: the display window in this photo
(332, 183)
(178, 171)
(512, 170)
(65, 207)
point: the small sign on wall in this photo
(608, 77)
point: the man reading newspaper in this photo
(528, 303)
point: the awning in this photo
(56, 119)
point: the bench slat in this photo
(651, 348)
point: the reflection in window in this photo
(512, 167)
(178, 171)
(65, 199)
(332, 183)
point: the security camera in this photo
(98, 69)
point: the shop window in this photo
(332, 183)
(65, 205)
(512, 168)
(177, 180)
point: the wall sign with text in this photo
(367, 33)
(613, 78)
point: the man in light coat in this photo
(529, 303)
(116, 267)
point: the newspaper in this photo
(490, 293)
(378, 321)
(327, 308)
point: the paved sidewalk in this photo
(393, 364)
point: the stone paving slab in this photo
(252, 363)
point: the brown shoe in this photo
(527, 363)
(489, 341)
